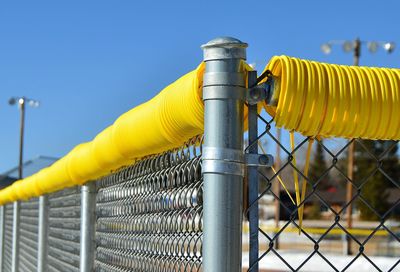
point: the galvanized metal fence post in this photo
(2, 226)
(43, 228)
(88, 220)
(223, 159)
(252, 174)
(15, 238)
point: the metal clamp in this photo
(261, 92)
(222, 167)
(224, 93)
(226, 154)
(259, 160)
(223, 161)
(223, 78)
(229, 161)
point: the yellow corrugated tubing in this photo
(315, 99)
(327, 100)
(335, 100)
(165, 122)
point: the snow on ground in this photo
(318, 264)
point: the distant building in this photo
(29, 167)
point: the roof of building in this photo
(29, 167)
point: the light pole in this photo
(355, 47)
(21, 101)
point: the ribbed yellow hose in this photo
(163, 123)
(335, 100)
(311, 98)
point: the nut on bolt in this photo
(259, 160)
(263, 160)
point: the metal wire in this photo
(64, 230)
(28, 242)
(8, 226)
(149, 215)
(315, 245)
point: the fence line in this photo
(147, 217)
(173, 201)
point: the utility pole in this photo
(17, 205)
(355, 47)
(350, 165)
(21, 101)
(21, 137)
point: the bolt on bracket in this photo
(260, 92)
(259, 160)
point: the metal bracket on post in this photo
(259, 160)
(261, 92)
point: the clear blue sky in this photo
(90, 61)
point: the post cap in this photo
(224, 48)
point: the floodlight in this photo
(33, 103)
(348, 46)
(389, 47)
(372, 47)
(12, 101)
(326, 48)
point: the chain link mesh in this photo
(64, 230)
(149, 215)
(374, 237)
(28, 242)
(8, 226)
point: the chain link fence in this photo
(149, 214)
(64, 230)
(148, 218)
(28, 242)
(351, 216)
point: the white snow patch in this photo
(318, 264)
